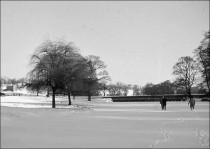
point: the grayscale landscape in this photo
(105, 74)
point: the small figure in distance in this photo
(163, 103)
(192, 103)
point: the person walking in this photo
(192, 103)
(163, 103)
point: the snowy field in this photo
(31, 122)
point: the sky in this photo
(139, 41)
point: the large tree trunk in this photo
(207, 82)
(189, 93)
(37, 92)
(89, 96)
(48, 94)
(69, 97)
(53, 98)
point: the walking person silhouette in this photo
(163, 103)
(192, 103)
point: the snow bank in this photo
(32, 102)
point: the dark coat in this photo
(192, 102)
(163, 101)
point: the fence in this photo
(152, 98)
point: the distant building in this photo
(8, 87)
(130, 92)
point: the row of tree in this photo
(58, 66)
(13, 81)
(165, 87)
(121, 89)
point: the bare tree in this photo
(186, 70)
(202, 54)
(95, 73)
(49, 64)
(73, 69)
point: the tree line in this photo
(13, 81)
(58, 67)
(189, 72)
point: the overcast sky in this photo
(140, 41)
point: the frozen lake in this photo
(30, 122)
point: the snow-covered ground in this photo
(31, 122)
